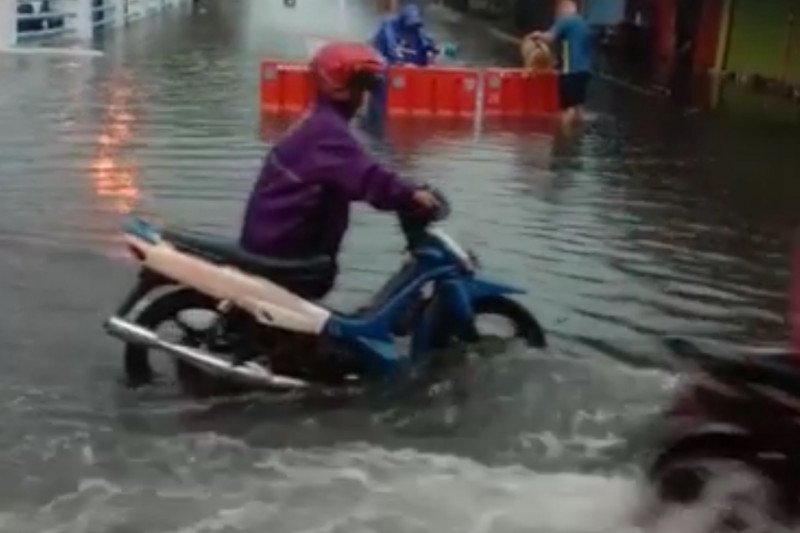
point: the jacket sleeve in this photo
(558, 29)
(386, 42)
(429, 43)
(350, 170)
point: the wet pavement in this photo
(646, 223)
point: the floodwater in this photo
(646, 223)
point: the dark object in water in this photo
(735, 418)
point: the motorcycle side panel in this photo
(371, 334)
(454, 309)
(459, 310)
(268, 302)
(450, 312)
(383, 359)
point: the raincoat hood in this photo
(410, 16)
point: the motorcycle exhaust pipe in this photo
(249, 373)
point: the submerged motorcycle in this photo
(728, 443)
(243, 324)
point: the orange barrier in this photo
(284, 87)
(432, 91)
(447, 92)
(519, 93)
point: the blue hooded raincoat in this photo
(401, 39)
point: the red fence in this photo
(284, 87)
(519, 93)
(427, 92)
(432, 92)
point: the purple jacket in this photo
(300, 205)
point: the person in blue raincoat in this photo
(402, 39)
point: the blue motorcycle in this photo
(240, 321)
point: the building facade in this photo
(745, 37)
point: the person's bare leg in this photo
(568, 116)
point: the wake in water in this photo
(732, 498)
(219, 484)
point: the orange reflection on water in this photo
(115, 183)
(114, 179)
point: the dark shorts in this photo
(572, 88)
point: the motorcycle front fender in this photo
(481, 288)
(458, 298)
(452, 311)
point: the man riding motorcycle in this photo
(300, 205)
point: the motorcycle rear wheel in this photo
(158, 313)
(299, 358)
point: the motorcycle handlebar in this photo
(414, 223)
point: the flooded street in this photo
(648, 223)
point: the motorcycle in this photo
(243, 323)
(729, 441)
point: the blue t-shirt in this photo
(576, 43)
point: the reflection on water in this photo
(115, 178)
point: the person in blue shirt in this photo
(573, 34)
(402, 40)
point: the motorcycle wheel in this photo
(723, 487)
(496, 317)
(519, 323)
(160, 312)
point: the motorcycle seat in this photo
(224, 251)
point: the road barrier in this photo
(427, 92)
(519, 93)
(445, 92)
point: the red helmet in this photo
(341, 71)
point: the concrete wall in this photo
(764, 40)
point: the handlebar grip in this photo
(444, 204)
(413, 223)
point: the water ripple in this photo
(620, 234)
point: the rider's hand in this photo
(426, 201)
